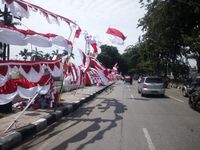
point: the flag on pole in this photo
(115, 36)
(77, 33)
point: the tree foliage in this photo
(171, 34)
(109, 56)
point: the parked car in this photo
(194, 99)
(190, 85)
(151, 85)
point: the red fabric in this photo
(36, 67)
(51, 66)
(26, 68)
(11, 85)
(77, 33)
(3, 70)
(57, 64)
(23, 5)
(9, 1)
(116, 32)
(94, 46)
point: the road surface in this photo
(120, 119)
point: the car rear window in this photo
(154, 80)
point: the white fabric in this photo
(44, 88)
(102, 77)
(56, 72)
(27, 93)
(17, 10)
(32, 75)
(38, 40)
(111, 39)
(60, 41)
(3, 79)
(52, 19)
(12, 37)
(6, 98)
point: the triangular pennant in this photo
(58, 64)
(3, 70)
(26, 68)
(51, 66)
(12, 66)
(37, 67)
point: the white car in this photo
(152, 85)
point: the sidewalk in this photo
(33, 121)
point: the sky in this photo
(93, 16)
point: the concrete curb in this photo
(22, 134)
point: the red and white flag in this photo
(115, 36)
(85, 61)
(77, 33)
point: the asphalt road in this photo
(120, 119)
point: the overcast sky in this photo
(94, 16)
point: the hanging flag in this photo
(85, 61)
(115, 36)
(115, 67)
(77, 33)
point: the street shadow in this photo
(119, 108)
(32, 114)
(78, 117)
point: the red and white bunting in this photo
(12, 35)
(21, 8)
(21, 37)
(31, 70)
(23, 88)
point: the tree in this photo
(169, 35)
(109, 56)
(55, 53)
(36, 55)
(47, 56)
(25, 54)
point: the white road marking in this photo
(132, 96)
(148, 138)
(176, 99)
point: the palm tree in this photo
(56, 53)
(36, 55)
(25, 54)
(7, 19)
(64, 53)
(47, 56)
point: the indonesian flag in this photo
(115, 67)
(77, 33)
(85, 61)
(115, 36)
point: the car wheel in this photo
(142, 94)
(197, 105)
(184, 93)
(192, 102)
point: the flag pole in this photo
(64, 70)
